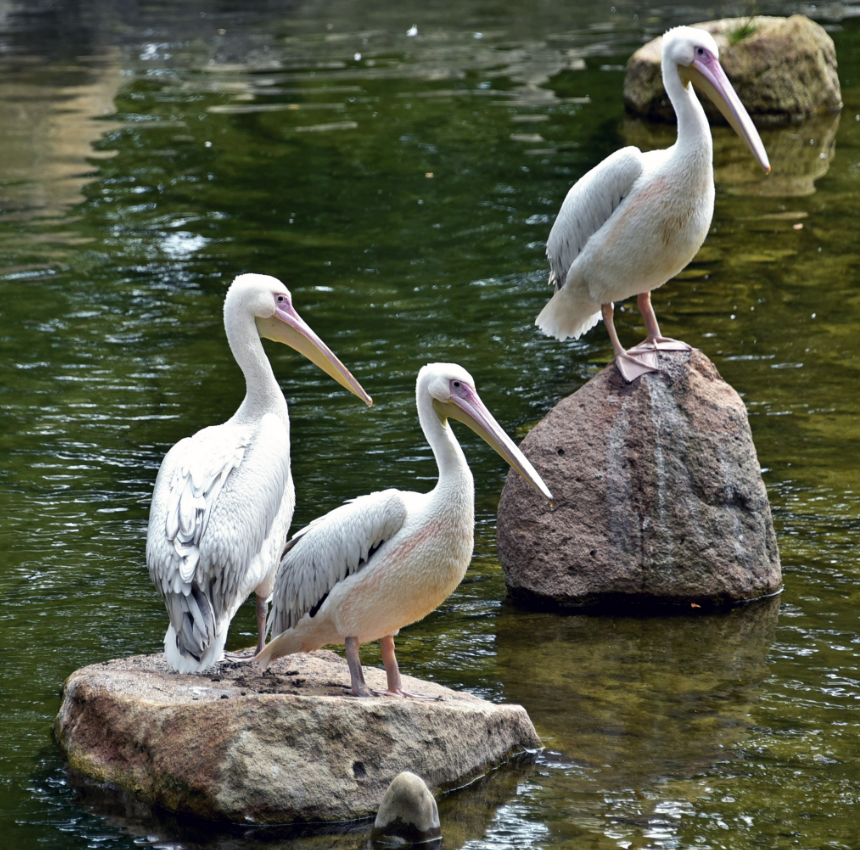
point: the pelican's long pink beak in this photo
(471, 411)
(288, 327)
(707, 74)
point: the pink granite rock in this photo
(658, 496)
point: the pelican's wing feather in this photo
(587, 207)
(216, 498)
(329, 550)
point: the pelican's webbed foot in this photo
(633, 364)
(660, 343)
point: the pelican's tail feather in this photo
(285, 643)
(568, 314)
(184, 662)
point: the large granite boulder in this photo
(286, 746)
(658, 496)
(783, 69)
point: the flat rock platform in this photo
(287, 746)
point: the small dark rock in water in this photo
(658, 492)
(408, 813)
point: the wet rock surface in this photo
(659, 497)
(783, 69)
(288, 746)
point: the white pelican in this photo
(635, 220)
(383, 561)
(224, 498)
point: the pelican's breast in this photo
(654, 234)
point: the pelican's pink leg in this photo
(655, 340)
(392, 672)
(631, 364)
(356, 674)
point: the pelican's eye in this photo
(457, 384)
(700, 51)
(281, 299)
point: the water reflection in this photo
(628, 704)
(638, 699)
(51, 118)
(799, 155)
(465, 816)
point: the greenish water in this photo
(402, 188)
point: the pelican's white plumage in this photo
(637, 219)
(383, 561)
(224, 497)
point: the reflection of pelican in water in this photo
(383, 561)
(224, 497)
(635, 220)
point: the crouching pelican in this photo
(635, 220)
(224, 498)
(383, 561)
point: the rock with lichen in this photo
(783, 69)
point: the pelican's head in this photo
(697, 58)
(454, 396)
(269, 302)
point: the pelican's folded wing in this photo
(202, 535)
(587, 207)
(329, 550)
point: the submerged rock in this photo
(658, 496)
(408, 813)
(282, 747)
(781, 68)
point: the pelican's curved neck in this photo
(454, 472)
(262, 393)
(694, 132)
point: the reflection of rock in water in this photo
(799, 155)
(465, 815)
(638, 700)
(48, 127)
(160, 827)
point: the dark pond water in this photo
(403, 188)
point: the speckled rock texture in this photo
(282, 747)
(784, 70)
(658, 492)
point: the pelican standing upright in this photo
(637, 219)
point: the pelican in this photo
(383, 561)
(224, 498)
(636, 219)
